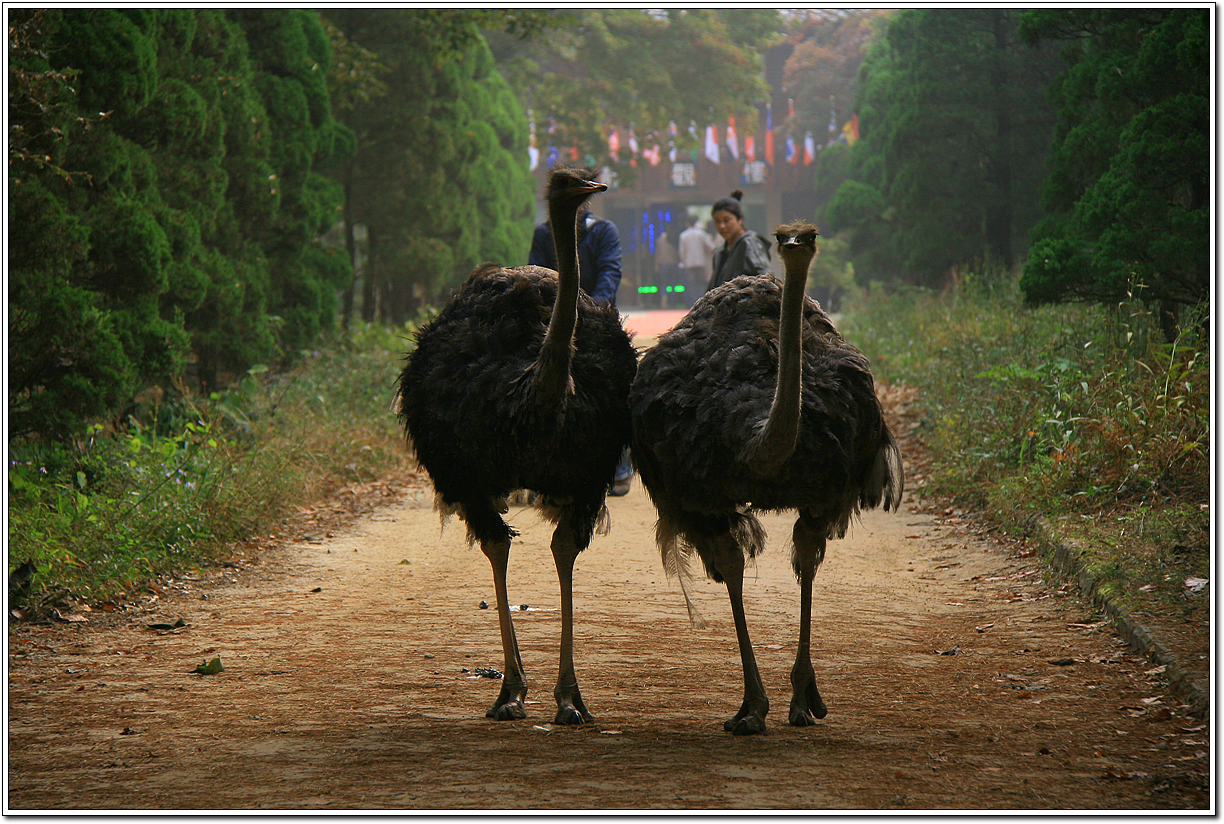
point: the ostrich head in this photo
(571, 186)
(796, 239)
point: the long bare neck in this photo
(777, 439)
(552, 370)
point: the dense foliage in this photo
(164, 197)
(1128, 198)
(440, 179)
(954, 131)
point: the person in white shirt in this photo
(696, 246)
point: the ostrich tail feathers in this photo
(675, 564)
(603, 521)
(748, 533)
(896, 476)
(887, 476)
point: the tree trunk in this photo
(350, 245)
(999, 212)
(368, 303)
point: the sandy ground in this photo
(956, 679)
(348, 684)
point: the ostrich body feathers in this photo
(705, 390)
(472, 412)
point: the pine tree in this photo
(954, 126)
(440, 179)
(164, 200)
(1129, 190)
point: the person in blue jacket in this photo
(599, 255)
(599, 266)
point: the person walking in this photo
(744, 252)
(667, 268)
(696, 246)
(599, 264)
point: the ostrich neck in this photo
(781, 431)
(552, 374)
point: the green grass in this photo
(180, 477)
(1081, 414)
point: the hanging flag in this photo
(750, 148)
(852, 130)
(696, 139)
(769, 142)
(574, 153)
(732, 138)
(809, 149)
(711, 143)
(792, 153)
(671, 141)
(833, 135)
(653, 154)
(614, 143)
(533, 151)
(633, 147)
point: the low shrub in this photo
(1079, 413)
(179, 477)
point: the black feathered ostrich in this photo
(756, 402)
(521, 382)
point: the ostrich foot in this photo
(748, 721)
(570, 707)
(807, 705)
(509, 703)
(567, 714)
(508, 711)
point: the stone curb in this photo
(1066, 560)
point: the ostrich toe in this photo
(572, 716)
(509, 711)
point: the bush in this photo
(1072, 412)
(180, 477)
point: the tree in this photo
(605, 67)
(821, 72)
(163, 201)
(1129, 192)
(440, 178)
(954, 126)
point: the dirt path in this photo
(348, 684)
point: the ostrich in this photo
(756, 402)
(521, 382)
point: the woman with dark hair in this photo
(744, 252)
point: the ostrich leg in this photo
(509, 704)
(729, 561)
(570, 708)
(806, 704)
